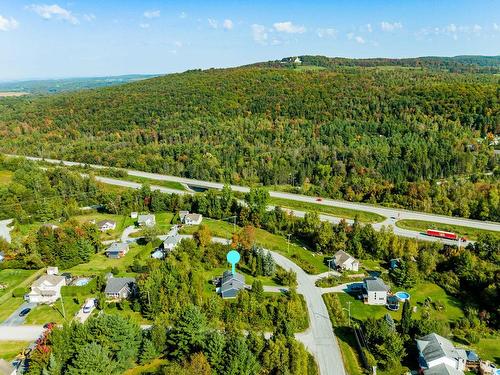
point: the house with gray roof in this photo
(230, 284)
(146, 220)
(344, 261)
(117, 250)
(375, 291)
(171, 241)
(120, 287)
(438, 356)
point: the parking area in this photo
(14, 319)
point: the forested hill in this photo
(378, 135)
(460, 64)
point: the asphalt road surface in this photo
(384, 211)
(14, 319)
(319, 338)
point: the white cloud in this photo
(89, 17)
(227, 24)
(178, 44)
(259, 33)
(367, 28)
(289, 28)
(144, 25)
(152, 14)
(388, 26)
(213, 23)
(358, 39)
(327, 33)
(183, 15)
(7, 24)
(452, 30)
(476, 29)
(53, 11)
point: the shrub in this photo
(20, 292)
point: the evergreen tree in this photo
(188, 333)
(406, 320)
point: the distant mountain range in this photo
(48, 86)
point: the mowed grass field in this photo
(10, 349)
(12, 278)
(306, 259)
(422, 226)
(344, 213)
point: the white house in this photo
(344, 261)
(375, 291)
(193, 219)
(52, 270)
(146, 220)
(46, 289)
(437, 355)
(106, 225)
(134, 215)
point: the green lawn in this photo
(422, 226)
(451, 311)
(11, 279)
(122, 221)
(363, 216)
(306, 259)
(9, 306)
(5, 177)
(10, 349)
(54, 313)
(488, 348)
(100, 263)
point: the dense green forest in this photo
(416, 138)
(457, 64)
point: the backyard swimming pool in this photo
(81, 281)
(402, 296)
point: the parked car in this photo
(88, 306)
(50, 325)
(319, 199)
(24, 312)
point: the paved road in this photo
(5, 229)
(389, 213)
(319, 338)
(14, 319)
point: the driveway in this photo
(14, 319)
(83, 316)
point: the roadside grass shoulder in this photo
(143, 180)
(306, 259)
(422, 226)
(345, 213)
(10, 349)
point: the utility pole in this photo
(62, 305)
(329, 261)
(349, 311)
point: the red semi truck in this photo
(443, 234)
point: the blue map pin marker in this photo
(233, 257)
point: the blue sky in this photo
(110, 37)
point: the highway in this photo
(391, 214)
